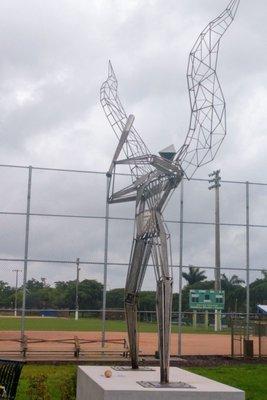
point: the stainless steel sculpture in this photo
(154, 177)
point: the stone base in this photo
(123, 385)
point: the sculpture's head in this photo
(168, 152)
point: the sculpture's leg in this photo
(139, 258)
(164, 306)
(164, 299)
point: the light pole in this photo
(77, 289)
(16, 290)
(217, 271)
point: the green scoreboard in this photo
(206, 299)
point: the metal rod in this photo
(181, 268)
(126, 219)
(247, 261)
(121, 174)
(77, 289)
(105, 270)
(118, 264)
(16, 291)
(26, 251)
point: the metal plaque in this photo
(169, 385)
(128, 368)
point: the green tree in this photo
(6, 295)
(39, 295)
(234, 280)
(194, 275)
(147, 301)
(90, 294)
(258, 292)
(115, 298)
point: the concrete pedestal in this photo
(123, 385)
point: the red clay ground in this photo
(192, 344)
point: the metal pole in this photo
(217, 240)
(206, 319)
(77, 289)
(16, 291)
(217, 271)
(181, 268)
(247, 261)
(217, 253)
(105, 265)
(26, 251)
(194, 316)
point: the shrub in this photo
(68, 388)
(38, 389)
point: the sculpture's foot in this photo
(164, 377)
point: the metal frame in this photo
(154, 178)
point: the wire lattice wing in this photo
(207, 127)
(117, 117)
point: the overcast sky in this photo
(54, 57)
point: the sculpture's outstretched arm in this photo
(134, 146)
(207, 127)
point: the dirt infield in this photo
(192, 344)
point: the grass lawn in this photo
(58, 377)
(251, 378)
(85, 324)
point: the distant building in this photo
(262, 309)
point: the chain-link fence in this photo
(249, 342)
(52, 216)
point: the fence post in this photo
(206, 319)
(105, 272)
(26, 251)
(77, 289)
(259, 335)
(247, 261)
(181, 269)
(232, 335)
(194, 319)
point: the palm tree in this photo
(233, 281)
(194, 275)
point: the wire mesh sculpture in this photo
(154, 177)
